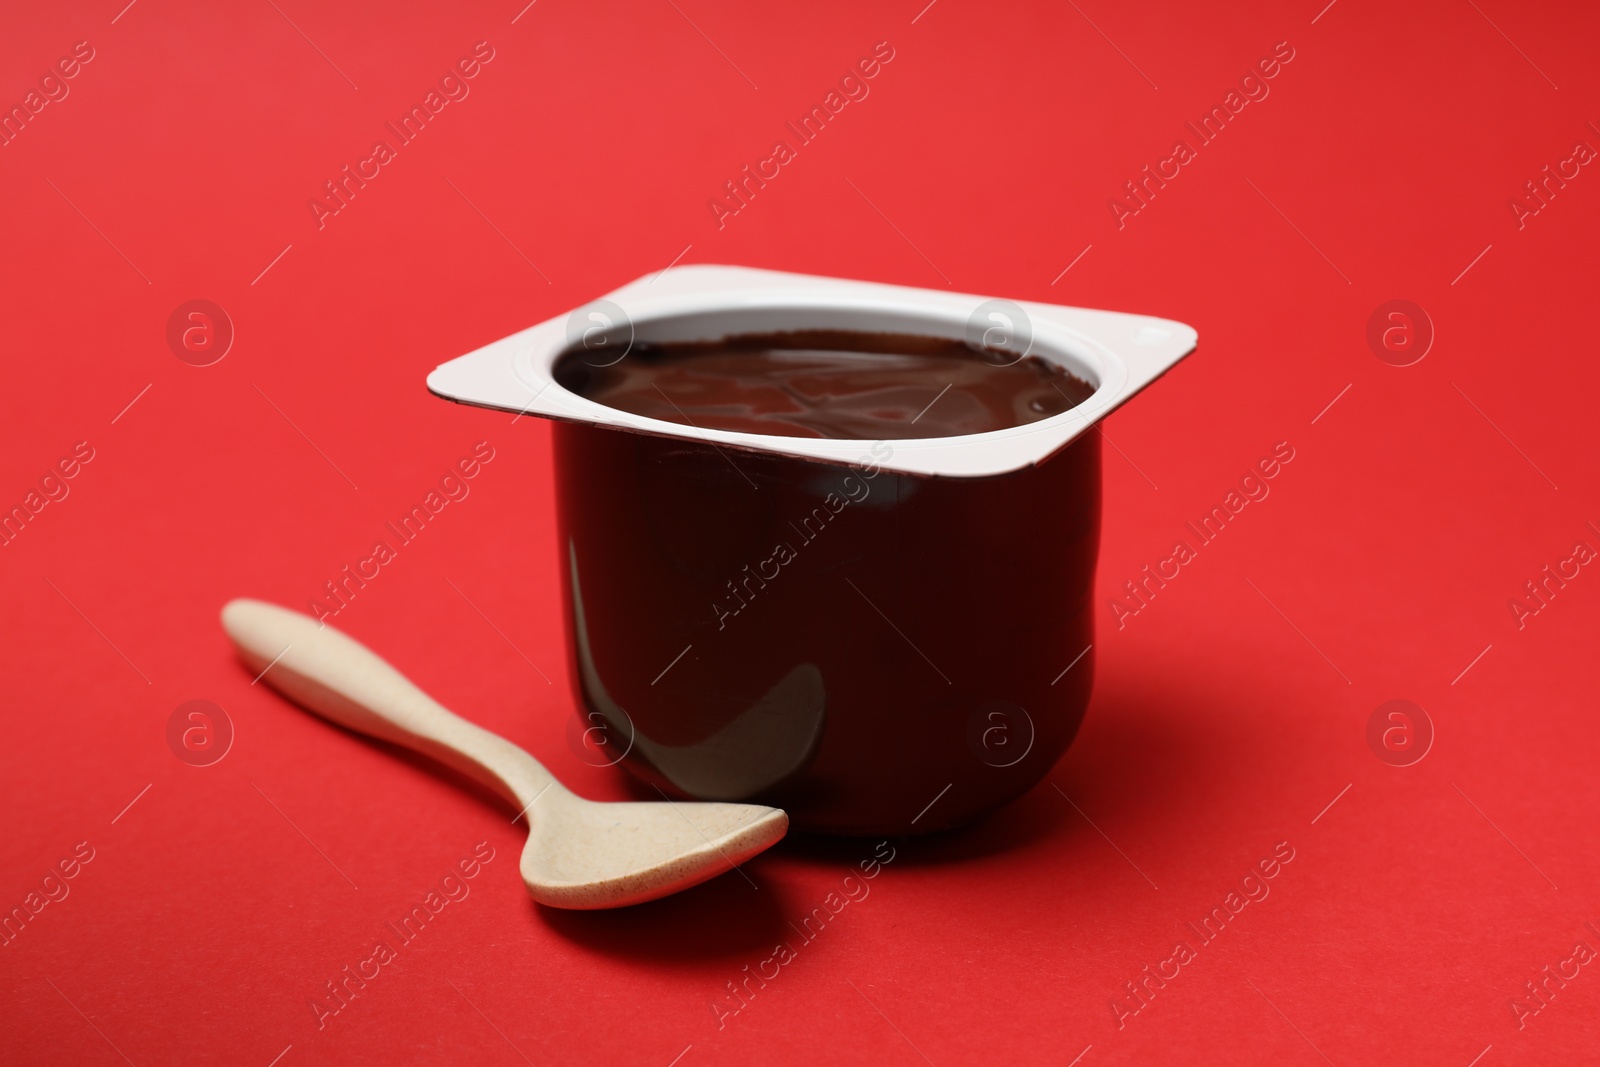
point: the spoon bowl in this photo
(650, 849)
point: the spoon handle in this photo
(342, 680)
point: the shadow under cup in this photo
(874, 652)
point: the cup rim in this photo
(1118, 353)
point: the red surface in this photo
(1222, 723)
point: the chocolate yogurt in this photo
(822, 544)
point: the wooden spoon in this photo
(580, 854)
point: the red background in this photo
(1416, 906)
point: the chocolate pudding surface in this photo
(838, 384)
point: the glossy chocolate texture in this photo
(841, 641)
(828, 383)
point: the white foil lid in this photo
(1118, 353)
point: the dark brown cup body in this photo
(876, 653)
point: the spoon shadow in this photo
(728, 917)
